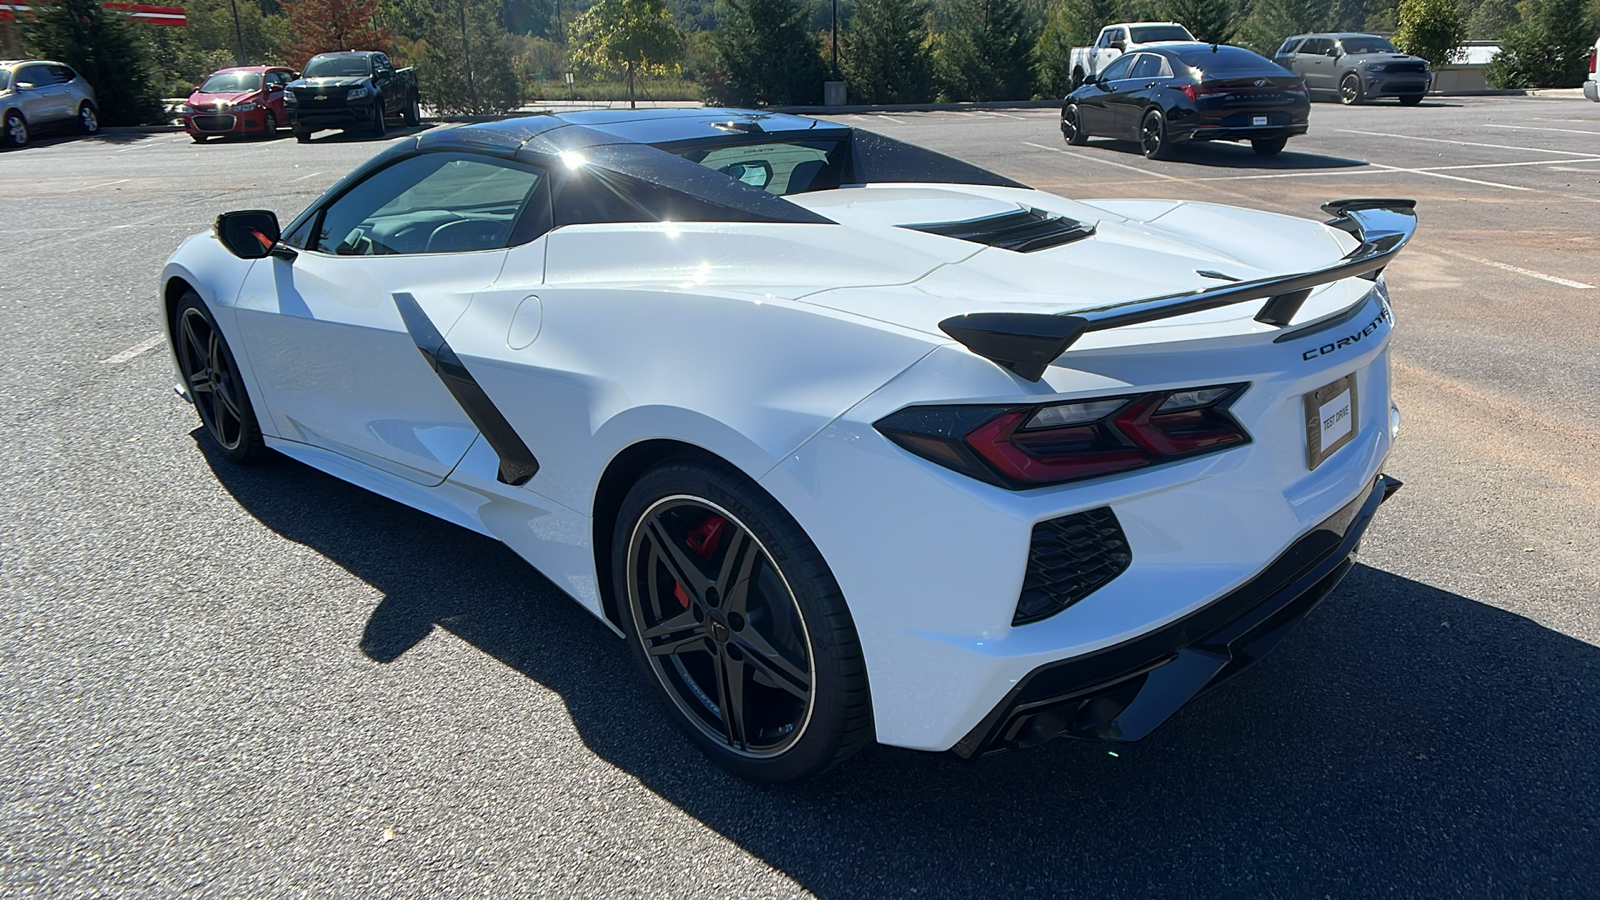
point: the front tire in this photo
(16, 134)
(269, 125)
(413, 113)
(88, 118)
(1072, 126)
(1269, 146)
(737, 623)
(1153, 136)
(1350, 90)
(380, 124)
(1410, 99)
(212, 378)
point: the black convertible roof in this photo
(624, 165)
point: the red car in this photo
(242, 100)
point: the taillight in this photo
(1020, 447)
(1195, 92)
(1592, 55)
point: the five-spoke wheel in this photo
(1072, 127)
(1350, 90)
(735, 618)
(1153, 136)
(212, 379)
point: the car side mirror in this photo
(24, 85)
(1091, 78)
(249, 233)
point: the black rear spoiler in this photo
(1026, 343)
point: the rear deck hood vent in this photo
(1024, 231)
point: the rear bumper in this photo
(1253, 133)
(1591, 90)
(1123, 692)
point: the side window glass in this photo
(35, 75)
(62, 74)
(1105, 39)
(1147, 65)
(434, 203)
(1118, 68)
(1166, 67)
(1288, 47)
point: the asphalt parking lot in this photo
(262, 682)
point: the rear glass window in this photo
(231, 82)
(335, 66)
(1228, 59)
(1366, 44)
(5, 79)
(1149, 34)
(777, 167)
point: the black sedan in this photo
(1175, 93)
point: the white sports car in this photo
(851, 441)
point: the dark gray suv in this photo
(1355, 67)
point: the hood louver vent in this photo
(1023, 231)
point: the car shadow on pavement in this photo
(1404, 740)
(1231, 155)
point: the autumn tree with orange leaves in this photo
(328, 26)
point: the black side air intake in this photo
(1023, 231)
(1069, 559)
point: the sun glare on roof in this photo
(574, 159)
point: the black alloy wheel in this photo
(737, 622)
(1350, 92)
(16, 134)
(1153, 136)
(1071, 128)
(88, 118)
(1269, 146)
(212, 379)
(269, 125)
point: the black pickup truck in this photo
(356, 91)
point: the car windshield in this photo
(335, 66)
(777, 167)
(1366, 44)
(231, 83)
(1149, 34)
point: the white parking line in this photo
(1108, 162)
(1537, 128)
(1413, 137)
(1432, 174)
(1564, 282)
(120, 358)
(148, 143)
(302, 178)
(89, 187)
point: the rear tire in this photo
(1153, 136)
(1410, 99)
(214, 383)
(88, 118)
(413, 113)
(1350, 90)
(16, 134)
(1269, 146)
(762, 627)
(1072, 127)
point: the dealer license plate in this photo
(1330, 419)
(1259, 120)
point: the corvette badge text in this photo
(1347, 340)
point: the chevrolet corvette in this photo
(849, 440)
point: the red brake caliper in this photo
(704, 541)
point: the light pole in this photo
(835, 40)
(238, 32)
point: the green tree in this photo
(1052, 55)
(885, 57)
(983, 52)
(211, 27)
(107, 50)
(769, 57)
(632, 35)
(1083, 19)
(1548, 48)
(465, 61)
(1491, 19)
(1212, 21)
(327, 26)
(1270, 21)
(1431, 29)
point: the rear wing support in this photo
(1026, 343)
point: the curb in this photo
(140, 129)
(919, 107)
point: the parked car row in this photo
(357, 91)
(1143, 81)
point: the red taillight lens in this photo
(1592, 55)
(1029, 446)
(1188, 91)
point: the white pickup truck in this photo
(1116, 40)
(1591, 87)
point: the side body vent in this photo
(1071, 558)
(1024, 231)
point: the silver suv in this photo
(42, 93)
